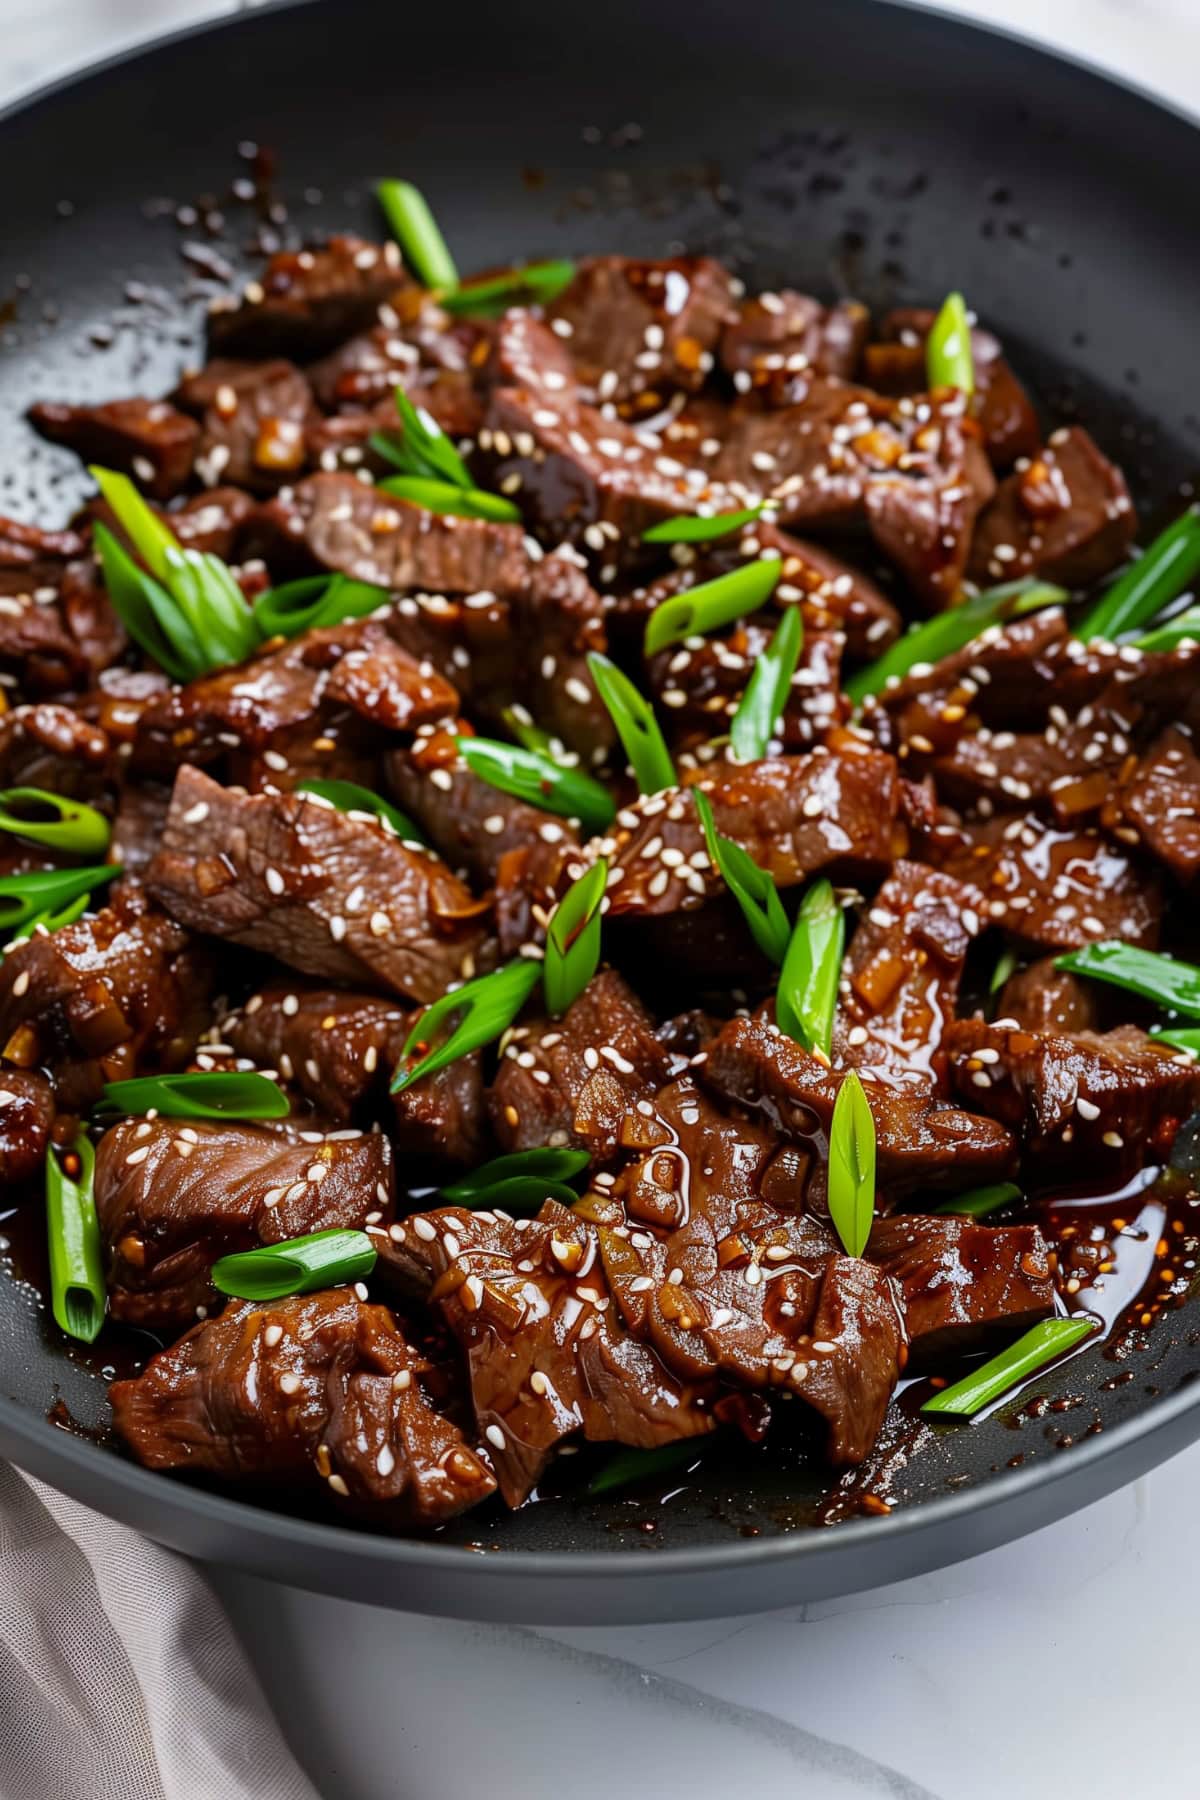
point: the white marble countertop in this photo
(1058, 1666)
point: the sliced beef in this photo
(319, 1392)
(1107, 1102)
(32, 557)
(138, 826)
(1046, 998)
(38, 649)
(27, 1112)
(1162, 803)
(546, 1355)
(333, 896)
(212, 522)
(964, 1286)
(1000, 403)
(1066, 517)
(559, 611)
(338, 1048)
(307, 301)
(529, 880)
(149, 439)
(120, 992)
(572, 1080)
(442, 1122)
(639, 329)
(52, 746)
(699, 684)
(172, 1196)
(779, 334)
(255, 420)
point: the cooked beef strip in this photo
(546, 1354)
(319, 1391)
(638, 329)
(52, 746)
(332, 896)
(255, 419)
(1067, 517)
(1162, 803)
(964, 1286)
(173, 1195)
(1003, 408)
(38, 649)
(698, 685)
(779, 334)
(150, 439)
(27, 1110)
(307, 301)
(1048, 999)
(337, 1047)
(120, 992)
(1107, 1102)
(31, 557)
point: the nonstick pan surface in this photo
(849, 147)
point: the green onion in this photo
(713, 603)
(224, 1094)
(543, 1164)
(951, 630)
(948, 358)
(526, 731)
(150, 537)
(1044, 1344)
(852, 1166)
(488, 1006)
(1187, 1039)
(806, 999)
(1175, 985)
(50, 921)
(536, 284)
(637, 727)
(455, 502)
(145, 610)
(424, 448)
(77, 1295)
(539, 781)
(416, 231)
(691, 528)
(348, 797)
(314, 602)
(24, 898)
(1006, 965)
(1162, 572)
(299, 1265)
(752, 888)
(573, 939)
(761, 706)
(1182, 629)
(630, 1466)
(981, 1201)
(72, 826)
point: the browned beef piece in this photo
(965, 1286)
(780, 334)
(573, 1080)
(27, 1112)
(1054, 889)
(546, 1355)
(333, 896)
(922, 1144)
(342, 440)
(640, 328)
(337, 1048)
(31, 557)
(469, 822)
(442, 1122)
(38, 648)
(149, 439)
(526, 352)
(1162, 803)
(1110, 1102)
(53, 746)
(90, 617)
(798, 816)
(698, 685)
(307, 301)
(410, 340)
(1003, 408)
(120, 992)
(318, 1392)
(1045, 998)
(255, 420)
(901, 974)
(337, 522)
(213, 521)
(138, 826)
(173, 1196)
(529, 880)
(558, 611)
(1066, 517)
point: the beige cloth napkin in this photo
(120, 1675)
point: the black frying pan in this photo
(846, 147)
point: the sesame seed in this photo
(274, 881)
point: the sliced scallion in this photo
(952, 630)
(573, 939)
(54, 820)
(535, 284)
(315, 602)
(949, 361)
(539, 780)
(1184, 628)
(1163, 571)
(761, 707)
(299, 1265)
(540, 1164)
(712, 604)
(806, 998)
(449, 500)
(221, 1094)
(629, 1467)
(417, 232)
(638, 729)
(694, 528)
(24, 898)
(349, 797)
(1044, 1344)
(852, 1166)
(483, 1009)
(1174, 985)
(981, 1201)
(77, 1293)
(752, 888)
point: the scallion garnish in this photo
(952, 630)
(806, 999)
(1174, 985)
(1186, 1039)
(573, 939)
(712, 604)
(949, 361)
(299, 1265)
(50, 921)
(752, 888)
(488, 1006)
(852, 1166)
(638, 729)
(54, 820)
(77, 1294)
(536, 284)
(630, 1466)
(1044, 1344)
(314, 602)
(451, 501)
(25, 898)
(1006, 965)
(761, 706)
(349, 797)
(416, 231)
(539, 781)
(222, 1094)
(1184, 628)
(537, 1167)
(423, 447)
(527, 732)
(692, 528)
(1163, 571)
(979, 1202)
